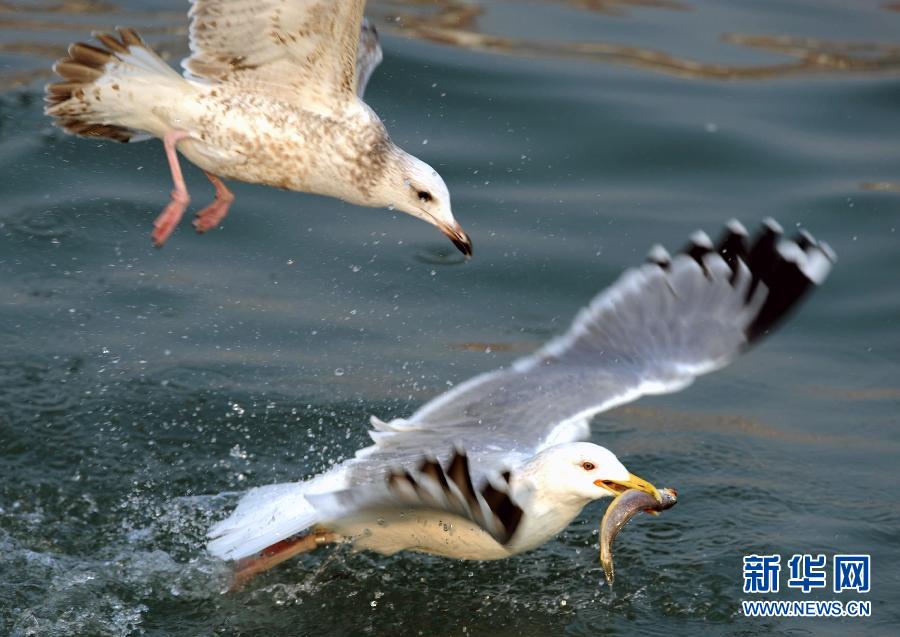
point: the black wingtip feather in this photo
(699, 246)
(763, 255)
(507, 512)
(787, 268)
(457, 471)
(790, 270)
(732, 247)
(430, 467)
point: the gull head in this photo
(584, 471)
(414, 187)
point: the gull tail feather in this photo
(264, 516)
(103, 88)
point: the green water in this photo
(142, 390)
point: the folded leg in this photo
(247, 568)
(209, 217)
(167, 221)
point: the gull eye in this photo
(424, 196)
(588, 466)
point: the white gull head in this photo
(410, 185)
(576, 471)
(558, 482)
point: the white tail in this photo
(264, 516)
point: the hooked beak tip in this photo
(459, 238)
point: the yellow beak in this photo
(633, 482)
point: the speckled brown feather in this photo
(85, 64)
(308, 48)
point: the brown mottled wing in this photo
(303, 50)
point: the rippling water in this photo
(142, 390)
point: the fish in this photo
(627, 505)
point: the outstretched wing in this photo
(656, 329)
(304, 50)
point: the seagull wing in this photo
(653, 331)
(368, 57)
(301, 50)
(452, 486)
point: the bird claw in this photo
(167, 221)
(211, 216)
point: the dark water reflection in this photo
(142, 390)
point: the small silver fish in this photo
(627, 505)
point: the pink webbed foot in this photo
(168, 220)
(209, 217)
(165, 223)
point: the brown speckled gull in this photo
(272, 94)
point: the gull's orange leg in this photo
(165, 223)
(209, 217)
(247, 568)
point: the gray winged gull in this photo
(498, 465)
(271, 94)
